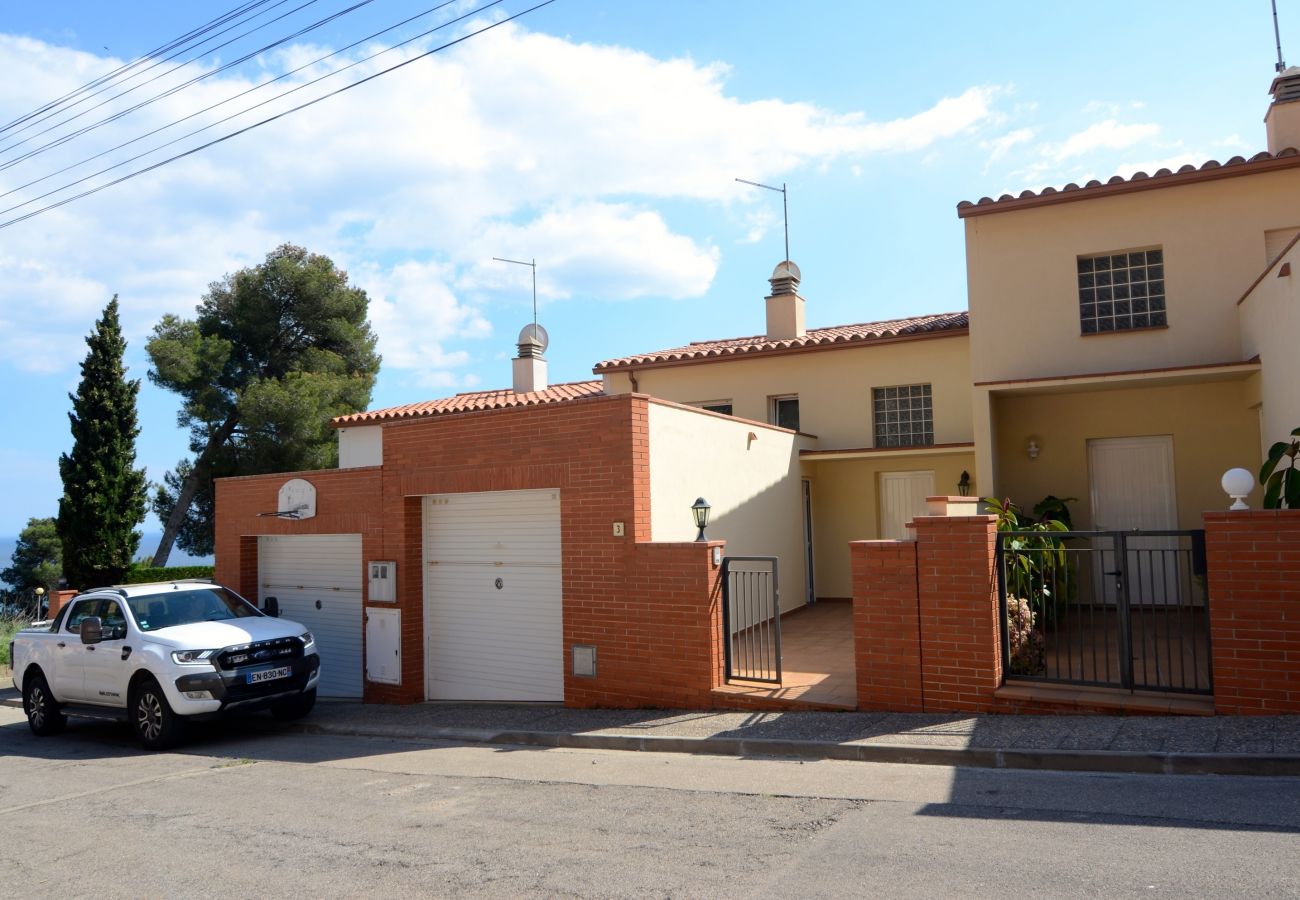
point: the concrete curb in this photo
(1139, 762)
(1150, 763)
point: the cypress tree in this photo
(103, 494)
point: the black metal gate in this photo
(751, 618)
(1108, 608)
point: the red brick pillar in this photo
(1253, 560)
(961, 638)
(58, 600)
(886, 628)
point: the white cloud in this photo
(999, 146)
(519, 143)
(1109, 135)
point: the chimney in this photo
(530, 365)
(785, 306)
(1283, 118)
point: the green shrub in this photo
(146, 574)
(10, 623)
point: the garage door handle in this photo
(318, 604)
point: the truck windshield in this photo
(155, 611)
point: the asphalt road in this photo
(251, 810)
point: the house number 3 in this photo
(500, 583)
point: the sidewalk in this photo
(1156, 744)
(1194, 745)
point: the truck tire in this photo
(288, 710)
(43, 714)
(157, 727)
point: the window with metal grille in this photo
(903, 415)
(717, 406)
(1122, 291)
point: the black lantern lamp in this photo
(700, 510)
(963, 484)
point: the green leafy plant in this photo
(1282, 482)
(1032, 555)
(1053, 507)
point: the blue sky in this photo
(601, 138)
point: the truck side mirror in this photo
(92, 630)
(271, 606)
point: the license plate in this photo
(269, 674)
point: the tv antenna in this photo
(532, 264)
(1277, 37)
(785, 209)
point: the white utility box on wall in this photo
(383, 581)
(384, 646)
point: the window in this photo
(904, 415)
(1122, 291)
(717, 406)
(785, 412)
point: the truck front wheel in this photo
(43, 713)
(157, 727)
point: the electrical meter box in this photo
(383, 581)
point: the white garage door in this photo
(317, 579)
(492, 592)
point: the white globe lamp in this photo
(1237, 483)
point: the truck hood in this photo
(226, 633)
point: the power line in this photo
(229, 99)
(175, 68)
(108, 76)
(168, 59)
(236, 115)
(64, 202)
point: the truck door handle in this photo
(91, 649)
(61, 644)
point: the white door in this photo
(492, 596)
(1131, 482)
(902, 498)
(317, 579)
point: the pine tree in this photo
(103, 494)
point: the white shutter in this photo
(317, 579)
(493, 585)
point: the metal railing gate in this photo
(751, 618)
(1107, 608)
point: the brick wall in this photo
(650, 610)
(886, 626)
(925, 618)
(961, 644)
(1254, 590)
(658, 635)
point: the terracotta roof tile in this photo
(816, 337)
(473, 401)
(1211, 169)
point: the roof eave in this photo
(601, 369)
(1210, 171)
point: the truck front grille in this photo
(260, 653)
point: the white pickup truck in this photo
(159, 655)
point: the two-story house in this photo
(1110, 359)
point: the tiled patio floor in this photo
(816, 658)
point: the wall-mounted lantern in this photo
(1032, 448)
(963, 484)
(700, 510)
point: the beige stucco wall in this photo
(753, 486)
(1021, 274)
(361, 446)
(834, 386)
(1212, 425)
(1270, 328)
(846, 506)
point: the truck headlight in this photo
(307, 640)
(192, 657)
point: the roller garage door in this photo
(492, 592)
(317, 579)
